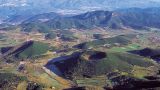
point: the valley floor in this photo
(35, 71)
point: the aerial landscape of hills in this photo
(79, 45)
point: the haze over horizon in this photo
(19, 7)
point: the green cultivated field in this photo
(36, 49)
(126, 48)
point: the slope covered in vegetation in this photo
(110, 42)
(28, 49)
(95, 63)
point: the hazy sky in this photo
(72, 3)
(11, 7)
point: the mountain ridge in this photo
(134, 18)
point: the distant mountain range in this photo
(9, 8)
(135, 18)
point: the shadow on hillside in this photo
(147, 52)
